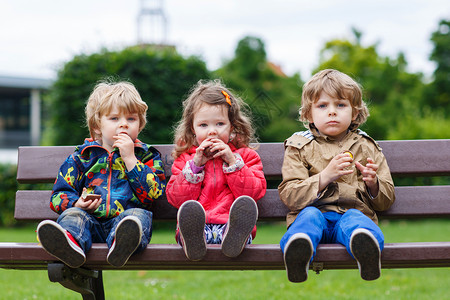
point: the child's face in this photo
(115, 123)
(332, 116)
(211, 121)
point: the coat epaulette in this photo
(299, 139)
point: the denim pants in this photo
(331, 227)
(87, 229)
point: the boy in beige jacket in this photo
(334, 179)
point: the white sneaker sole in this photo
(127, 239)
(56, 242)
(241, 221)
(367, 253)
(297, 255)
(191, 222)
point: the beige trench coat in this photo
(307, 155)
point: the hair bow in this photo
(227, 97)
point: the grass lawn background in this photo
(430, 283)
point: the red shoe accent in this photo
(72, 238)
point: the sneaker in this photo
(127, 239)
(241, 221)
(60, 243)
(191, 219)
(365, 249)
(297, 255)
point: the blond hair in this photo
(337, 85)
(212, 93)
(108, 94)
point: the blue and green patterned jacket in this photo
(104, 173)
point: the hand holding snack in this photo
(203, 153)
(207, 152)
(211, 148)
(88, 202)
(220, 149)
(349, 153)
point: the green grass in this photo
(342, 284)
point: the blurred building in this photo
(20, 112)
(152, 23)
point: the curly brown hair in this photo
(337, 85)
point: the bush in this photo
(162, 77)
(8, 188)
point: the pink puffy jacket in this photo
(218, 189)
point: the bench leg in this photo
(89, 283)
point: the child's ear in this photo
(98, 132)
(232, 136)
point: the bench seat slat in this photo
(254, 257)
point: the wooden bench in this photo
(416, 158)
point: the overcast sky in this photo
(37, 37)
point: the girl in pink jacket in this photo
(216, 177)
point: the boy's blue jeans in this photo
(331, 227)
(87, 229)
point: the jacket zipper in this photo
(108, 198)
(215, 189)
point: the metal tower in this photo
(152, 23)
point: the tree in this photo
(162, 77)
(273, 97)
(439, 89)
(388, 88)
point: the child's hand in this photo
(88, 204)
(125, 144)
(126, 149)
(369, 174)
(201, 157)
(211, 148)
(335, 169)
(221, 149)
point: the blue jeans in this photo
(331, 227)
(87, 229)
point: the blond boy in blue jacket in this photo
(104, 190)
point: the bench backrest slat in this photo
(416, 157)
(405, 158)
